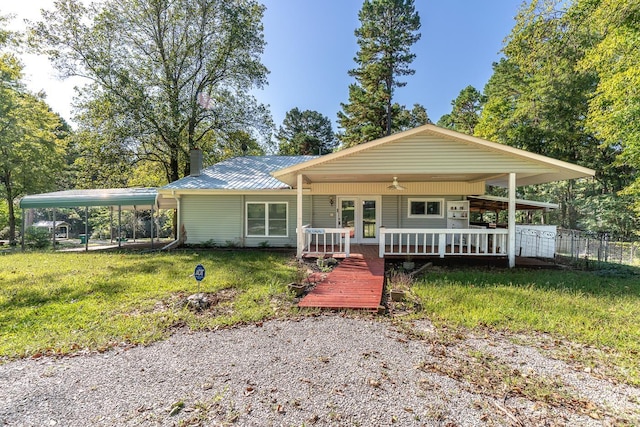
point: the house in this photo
(408, 193)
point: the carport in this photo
(121, 198)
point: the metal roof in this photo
(240, 173)
(127, 198)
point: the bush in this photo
(4, 233)
(37, 237)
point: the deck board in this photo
(357, 282)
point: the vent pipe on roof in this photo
(196, 161)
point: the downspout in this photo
(511, 223)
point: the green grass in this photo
(56, 303)
(595, 309)
(59, 303)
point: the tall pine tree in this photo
(388, 30)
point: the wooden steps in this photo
(356, 283)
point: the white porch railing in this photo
(443, 241)
(322, 241)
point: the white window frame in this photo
(425, 200)
(266, 219)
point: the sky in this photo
(311, 46)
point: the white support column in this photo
(511, 223)
(300, 236)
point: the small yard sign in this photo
(199, 272)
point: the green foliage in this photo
(37, 237)
(614, 108)
(387, 32)
(466, 111)
(538, 100)
(59, 303)
(167, 77)
(32, 144)
(305, 133)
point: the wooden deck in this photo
(356, 283)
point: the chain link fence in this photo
(603, 247)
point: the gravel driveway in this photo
(326, 370)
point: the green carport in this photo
(122, 198)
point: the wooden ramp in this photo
(357, 282)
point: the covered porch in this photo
(409, 193)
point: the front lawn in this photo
(60, 303)
(56, 303)
(598, 310)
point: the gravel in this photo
(324, 370)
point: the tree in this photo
(537, 98)
(305, 132)
(388, 31)
(466, 111)
(170, 72)
(614, 108)
(31, 142)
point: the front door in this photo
(362, 216)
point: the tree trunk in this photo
(11, 212)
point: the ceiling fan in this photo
(395, 186)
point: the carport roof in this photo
(127, 198)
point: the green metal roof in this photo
(127, 198)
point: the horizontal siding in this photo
(324, 214)
(221, 219)
(429, 154)
(212, 218)
(390, 211)
(417, 188)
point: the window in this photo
(267, 219)
(425, 208)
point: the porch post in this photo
(511, 223)
(300, 236)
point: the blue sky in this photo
(311, 46)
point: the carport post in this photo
(22, 230)
(152, 221)
(119, 226)
(53, 237)
(86, 228)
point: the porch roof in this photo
(432, 154)
(495, 203)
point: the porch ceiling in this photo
(312, 177)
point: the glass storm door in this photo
(362, 216)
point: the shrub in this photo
(37, 237)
